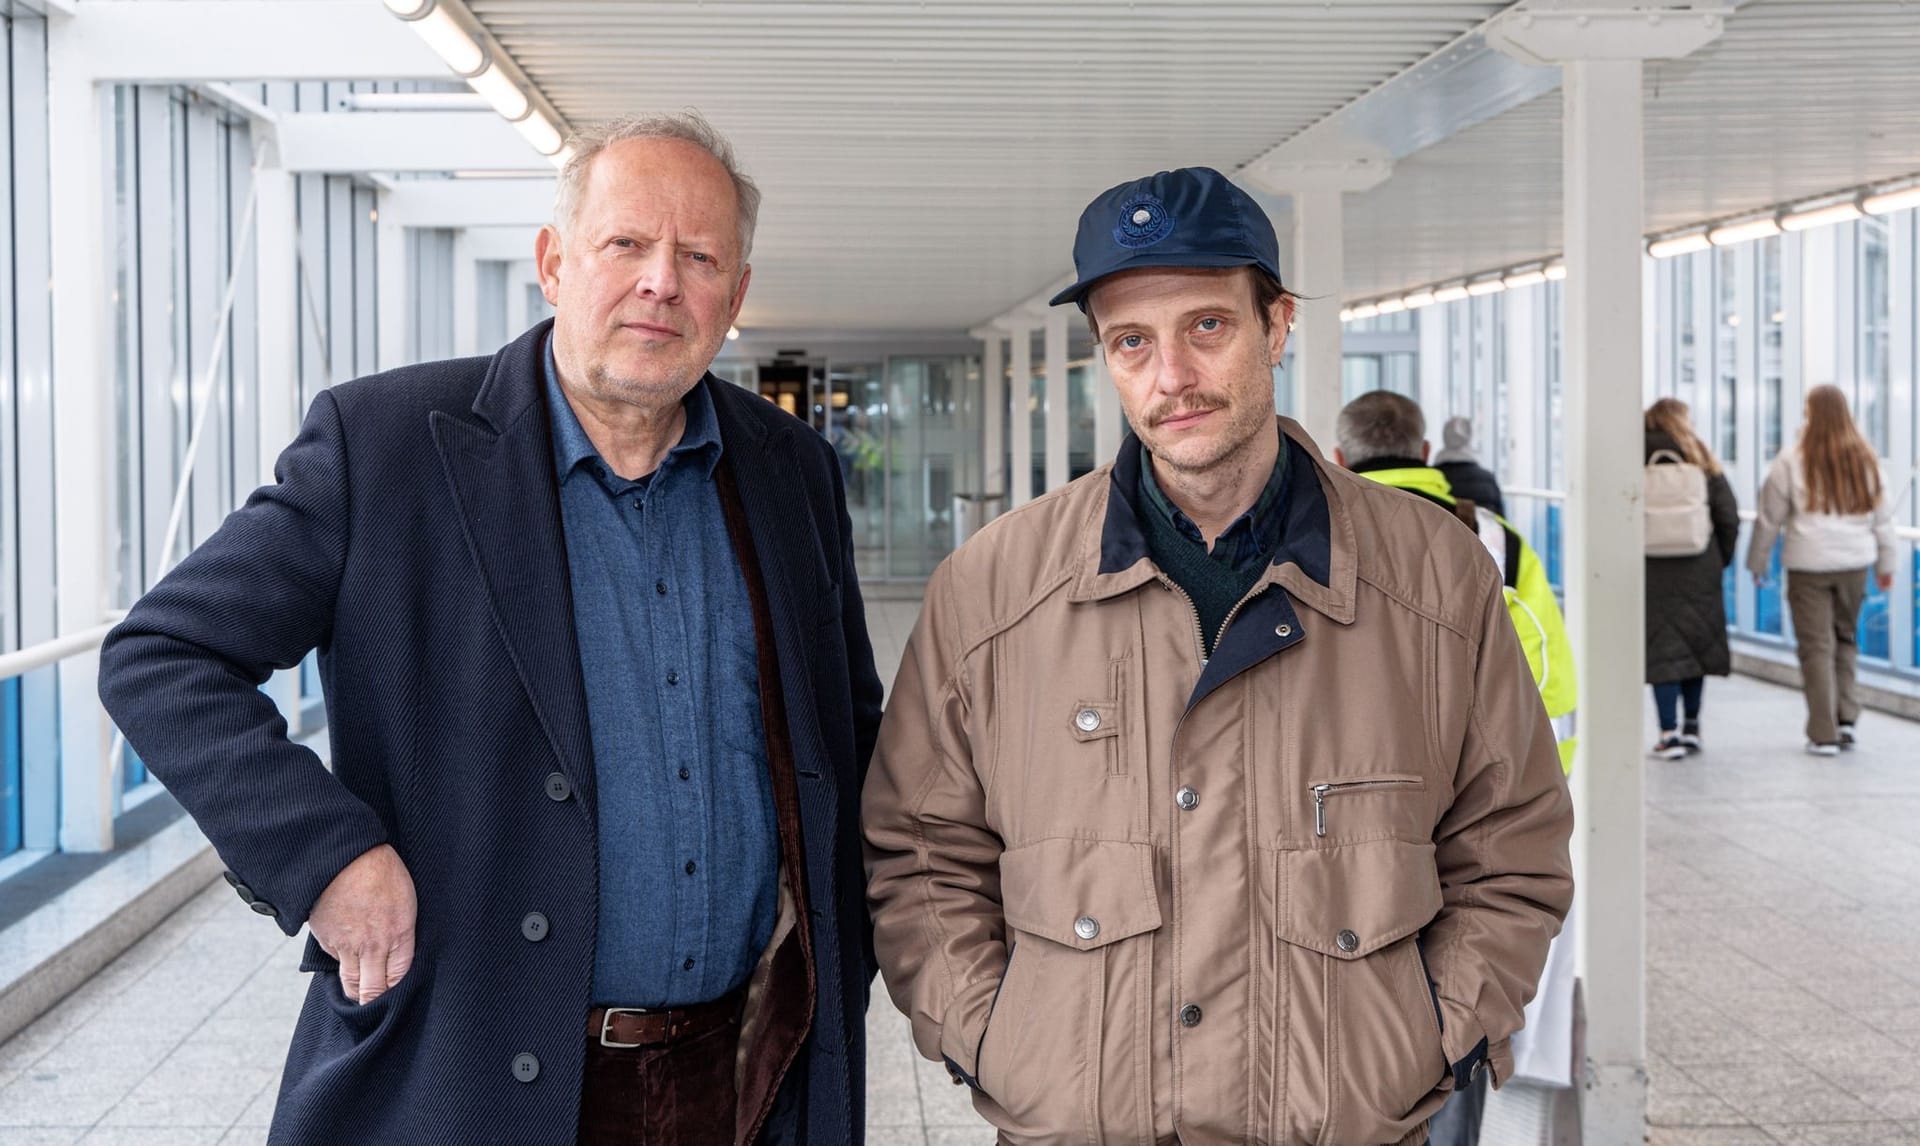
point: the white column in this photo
(466, 296)
(276, 278)
(1607, 577)
(1320, 262)
(993, 414)
(519, 274)
(82, 427)
(1107, 429)
(1059, 417)
(1020, 433)
(391, 286)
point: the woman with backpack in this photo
(1826, 496)
(1686, 609)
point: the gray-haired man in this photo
(589, 629)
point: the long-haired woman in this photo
(1686, 610)
(1826, 496)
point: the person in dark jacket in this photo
(586, 867)
(1470, 480)
(1686, 606)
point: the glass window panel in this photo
(1773, 327)
(1874, 324)
(1683, 327)
(1726, 354)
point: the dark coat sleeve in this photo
(181, 678)
(1726, 517)
(864, 678)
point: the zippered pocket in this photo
(1324, 789)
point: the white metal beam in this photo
(1020, 431)
(502, 244)
(466, 297)
(1319, 252)
(469, 203)
(993, 407)
(1059, 420)
(190, 41)
(346, 142)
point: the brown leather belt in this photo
(627, 1027)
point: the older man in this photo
(601, 698)
(1214, 803)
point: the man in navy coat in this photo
(586, 867)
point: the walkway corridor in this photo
(1784, 994)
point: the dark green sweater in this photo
(1216, 580)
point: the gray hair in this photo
(1380, 424)
(688, 126)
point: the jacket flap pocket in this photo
(1080, 893)
(1352, 900)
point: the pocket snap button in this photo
(1190, 1016)
(1086, 720)
(1347, 941)
(1283, 631)
(1187, 798)
(1087, 927)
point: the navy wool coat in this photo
(415, 540)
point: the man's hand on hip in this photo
(365, 920)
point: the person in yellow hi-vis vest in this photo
(1383, 436)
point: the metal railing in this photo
(23, 661)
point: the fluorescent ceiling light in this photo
(1485, 287)
(1418, 299)
(500, 91)
(1892, 201)
(1743, 232)
(1453, 293)
(452, 43)
(415, 101)
(1392, 306)
(1365, 310)
(1346, 314)
(1556, 272)
(733, 334)
(563, 156)
(1525, 279)
(1819, 217)
(541, 133)
(1684, 245)
(409, 9)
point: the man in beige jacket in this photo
(1215, 802)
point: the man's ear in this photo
(1279, 325)
(546, 263)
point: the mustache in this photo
(1197, 404)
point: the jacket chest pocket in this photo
(1099, 723)
(1374, 805)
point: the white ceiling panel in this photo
(925, 163)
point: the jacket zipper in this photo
(1327, 788)
(1199, 634)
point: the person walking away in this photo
(1686, 602)
(1465, 475)
(1827, 501)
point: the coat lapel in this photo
(502, 477)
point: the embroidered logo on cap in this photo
(1144, 221)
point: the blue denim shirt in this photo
(689, 845)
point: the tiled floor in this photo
(1783, 995)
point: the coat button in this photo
(534, 926)
(262, 907)
(1189, 1016)
(1087, 927)
(1283, 631)
(1187, 798)
(559, 788)
(526, 1068)
(1086, 720)
(1347, 941)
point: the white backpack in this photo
(1678, 524)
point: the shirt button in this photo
(687, 966)
(526, 1068)
(1087, 927)
(1347, 941)
(685, 775)
(638, 504)
(690, 867)
(1187, 798)
(1189, 1016)
(660, 587)
(1086, 720)
(558, 787)
(533, 927)
(673, 678)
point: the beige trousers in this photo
(1825, 608)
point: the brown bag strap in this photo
(1468, 513)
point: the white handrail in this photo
(1539, 494)
(20, 662)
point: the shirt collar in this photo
(1252, 536)
(571, 445)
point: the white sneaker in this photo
(1847, 740)
(1815, 748)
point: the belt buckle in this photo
(606, 1020)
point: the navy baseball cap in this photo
(1192, 217)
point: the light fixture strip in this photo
(465, 46)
